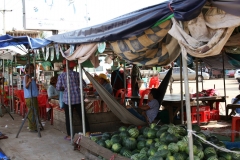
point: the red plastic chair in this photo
(20, 102)
(235, 127)
(121, 93)
(154, 82)
(145, 92)
(43, 105)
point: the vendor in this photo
(105, 82)
(53, 93)
(236, 100)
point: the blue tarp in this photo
(31, 43)
(133, 23)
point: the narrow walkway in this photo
(51, 146)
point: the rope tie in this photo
(112, 157)
(190, 132)
(220, 148)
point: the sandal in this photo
(3, 137)
(68, 138)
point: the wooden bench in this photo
(233, 108)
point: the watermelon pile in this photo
(166, 142)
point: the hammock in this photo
(122, 113)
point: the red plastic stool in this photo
(235, 127)
(214, 115)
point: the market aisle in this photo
(29, 146)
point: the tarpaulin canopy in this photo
(133, 23)
(31, 43)
(10, 51)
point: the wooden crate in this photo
(99, 122)
(92, 150)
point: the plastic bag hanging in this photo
(47, 53)
(71, 49)
(57, 50)
(52, 53)
(43, 53)
(37, 53)
(101, 47)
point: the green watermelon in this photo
(196, 127)
(116, 147)
(130, 127)
(151, 133)
(157, 128)
(225, 155)
(156, 140)
(141, 130)
(200, 154)
(201, 135)
(235, 156)
(94, 138)
(122, 150)
(133, 132)
(135, 151)
(155, 158)
(182, 145)
(162, 146)
(164, 128)
(163, 153)
(213, 139)
(144, 150)
(127, 153)
(108, 143)
(209, 150)
(152, 151)
(141, 138)
(101, 143)
(157, 144)
(179, 156)
(171, 138)
(107, 134)
(194, 158)
(195, 150)
(122, 128)
(173, 147)
(170, 158)
(130, 143)
(140, 144)
(159, 132)
(213, 158)
(149, 142)
(116, 139)
(152, 125)
(105, 138)
(124, 134)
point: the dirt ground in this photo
(28, 146)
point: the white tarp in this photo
(208, 33)
(10, 51)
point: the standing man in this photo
(135, 77)
(74, 92)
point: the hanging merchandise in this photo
(61, 49)
(37, 53)
(71, 49)
(52, 53)
(47, 53)
(57, 50)
(43, 53)
(101, 47)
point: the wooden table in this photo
(174, 100)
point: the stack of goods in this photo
(166, 142)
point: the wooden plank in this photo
(95, 148)
(59, 125)
(88, 154)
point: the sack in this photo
(61, 104)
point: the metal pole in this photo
(12, 89)
(69, 101)
(181, 86)
(187, 100)
(224, 84)
(198, 119)
(124, 77)
(82, 100)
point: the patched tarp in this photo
(30, 43)
(149, 48)
(209, 33)
(132, 24)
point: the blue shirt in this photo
(74, 86)
(108, 87)
(238, 102)
(153, 111)
(32, 90)
(52, 91)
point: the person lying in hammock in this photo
(105, 82)
(149, 111)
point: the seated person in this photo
(150, 110)
(105, 82)
(52, 91)
(236, 100)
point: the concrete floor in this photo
(51, 146)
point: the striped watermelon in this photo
(116, 147)
(173, 147)
(140, 144)
(163, 146)
(209, 150)
(122, 128)
(182, 145)
(133, 132)
(152, 151)
(127, 153)
(130, 143)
